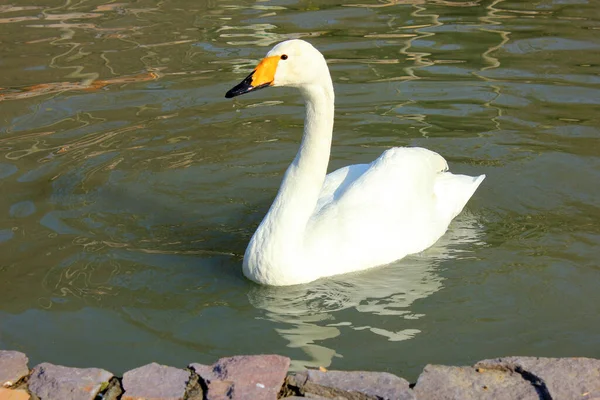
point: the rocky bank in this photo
(266, 377)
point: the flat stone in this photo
(352, 385)
(10, 394)
(467, 383)
(13, 366)
(556, 378)
(55, 382)
(246, 377)
(155, 382)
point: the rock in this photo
(193, 390)
(155, 382)
(244, 377)
(554, 378)
(10, 394)
(219, 390)
(54, 382)
(442, 382)
(355, 385)
(13, 366)
(114, 390)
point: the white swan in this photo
(357, 217)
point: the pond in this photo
(131, 186)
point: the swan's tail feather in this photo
(454, 191)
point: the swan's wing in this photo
(337, 182)
(399, 166)
(400, 177)
(386, 212)
(374, 214)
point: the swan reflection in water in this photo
(312, 311)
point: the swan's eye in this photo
(284, 57)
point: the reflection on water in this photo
(131, 186)
(309, 311)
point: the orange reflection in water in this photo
(56, 87)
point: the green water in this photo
(131, 186)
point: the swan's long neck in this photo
(295, 203)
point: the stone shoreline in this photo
(266, 377)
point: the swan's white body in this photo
(357, 217)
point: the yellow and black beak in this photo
(262, 77)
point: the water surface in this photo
(131, 186)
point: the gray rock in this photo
(155, 382)
(466, 383)
(352, 385)
(54, 382)
(555, 378)
(13, 366)
(244, 377)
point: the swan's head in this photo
(293, 63)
